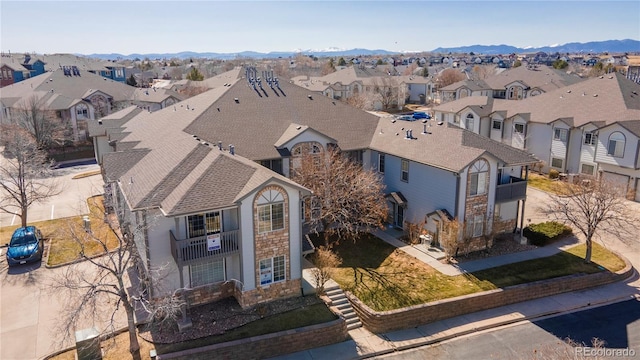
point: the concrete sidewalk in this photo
(364, 344)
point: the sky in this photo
(126, 27)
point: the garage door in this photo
(620, 182)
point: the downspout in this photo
(455, 208)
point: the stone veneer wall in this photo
(475, 205)
(268, 245)
(384, 321)
(269, 345)
(209, 293)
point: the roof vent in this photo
(298, 127)
(220, 145)
(310, 97)
(99, 122)
(218, 109)
(595, 95)
(236, 100)
(232, 149)
(568, 91)
(440, 123)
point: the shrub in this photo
(545, 233)
(554, 174)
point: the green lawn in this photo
(386, 278)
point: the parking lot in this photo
(30, 310)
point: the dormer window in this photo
(590, 138)
(616, 144)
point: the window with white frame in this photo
(272, 270)
(518, 128)
(560, 134)
(404, 176)
(478, 174)
(203, 224)
(616, 144)
(497, 125)
(207, 273)
(82, 111)
(557, 162)
(475, 226)
(270, 211)
(590, 138)
(587, 169)
(469, 122)
(381, 163)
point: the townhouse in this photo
(208, 181)
(386, 88)
(562, 127)
(77, 97)
(513, 84)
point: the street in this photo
(618, 325)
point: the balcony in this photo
(192, 250)
(515, 189)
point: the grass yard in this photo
(543, 182)
(386, 278)
(63, 248)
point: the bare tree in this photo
(482, 72)
(449, 76)
(34, 118)
(594, 207)
(347, 200)
(449, 237)
(325, 262)
(100, 285)
(361, 101)
(26, 177)
(387, 90)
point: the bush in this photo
(554, 174)
(545, 233)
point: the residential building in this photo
(560, 127)
(215, 169)
(513, 84)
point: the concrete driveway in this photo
(30, 311)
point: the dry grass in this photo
(116, 348)
(87, 174)
(386, 278)
(65, 246)
(543, 183)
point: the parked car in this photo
(421, 115)
(26, 245)
(406, 118)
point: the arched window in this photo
(478, 174)
(82, 111)
(616, 144)
(270, 211)
(469, 122)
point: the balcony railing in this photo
(515, 189)
(188, 251)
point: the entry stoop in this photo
(340, 303)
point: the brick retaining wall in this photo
(384, 321)
(269, 345)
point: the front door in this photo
(399, 216)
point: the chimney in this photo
(232, 149)
(424, 130)
(411, 134)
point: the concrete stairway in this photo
(340, 302)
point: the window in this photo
(557, 163)
(203, 224)
(475, 226)
(275, 165)
(272, 270)
(616, 145)
(119, 73)
(469, 122)
(478, 177)
(207, 273)
(560, 134)
(270, 211)
(82, 111)
(381, 163)
(497, 125)
(590, 138)
(405, 171)
(587, 169)
(518, 128)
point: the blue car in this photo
(26, 246)
(421, 115)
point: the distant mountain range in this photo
(612, 46)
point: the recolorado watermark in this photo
(597, 352)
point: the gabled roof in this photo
(540, 76)
(607, 98)
(112, 121)
(259, 118)
(293, 131)
(633, 126)
(444, 146)
(177, 172)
